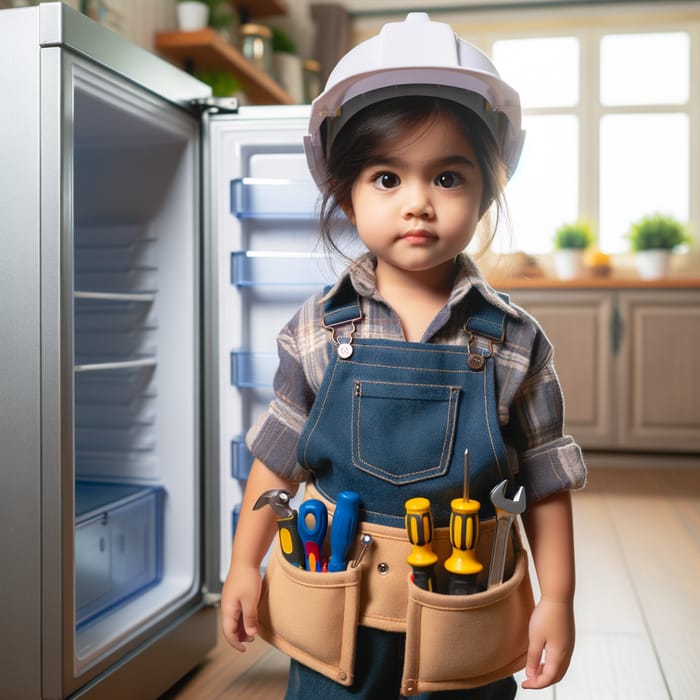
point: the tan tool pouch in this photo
(465, 641)
(311, 616)
(451, 641)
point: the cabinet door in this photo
(578, 324)
(659, 371)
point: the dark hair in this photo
(371, 134)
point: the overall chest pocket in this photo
(403, 432)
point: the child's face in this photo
(418, 207)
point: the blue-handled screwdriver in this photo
(343, 529)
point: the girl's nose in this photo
(418, 204)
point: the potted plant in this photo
(652, 240)
(192, 15)
(570, 243)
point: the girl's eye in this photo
(449, 180)
(386, 181)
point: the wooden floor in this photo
(637, 602)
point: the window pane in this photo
(644, 168)
(638, 69)
(544, 70)
(543, 193)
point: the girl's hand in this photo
(254, 533)
(239, 606)
(552, 633)
(549, 528)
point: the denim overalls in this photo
(391, 421)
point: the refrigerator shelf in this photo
(279, 269)
(118, 545)
(106, 366)
(118, 297)
(273, 198)
(253, 370)
(241, 460)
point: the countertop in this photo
(583, 283)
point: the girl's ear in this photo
(347, 210)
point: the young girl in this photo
(411, 358)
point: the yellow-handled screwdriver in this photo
(419, 527)
(463, 567)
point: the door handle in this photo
(617, 330)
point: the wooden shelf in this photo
(204, 50)
(261, 8)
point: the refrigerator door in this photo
(102, 582)
(262, 259)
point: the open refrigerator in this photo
(154, 243)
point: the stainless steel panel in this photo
(60, 25)
(20, 506)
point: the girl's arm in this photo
(549, 528)
(254, 533)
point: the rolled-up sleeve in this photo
(548, 460)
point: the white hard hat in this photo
(414, 57)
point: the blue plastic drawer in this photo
(118, 545)
(272, 198)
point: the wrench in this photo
(506, 511)
(279, 501)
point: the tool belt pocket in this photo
(311, 616)
(465, 641)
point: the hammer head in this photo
(278, 500)
(516, 505)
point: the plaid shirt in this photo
(529, 398)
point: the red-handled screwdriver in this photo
(419, 527)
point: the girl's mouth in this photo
(418, 235)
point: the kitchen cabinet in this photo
(628, 363)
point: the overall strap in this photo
(342, 308)
(485, 319)
(339, 315)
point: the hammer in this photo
(506, 510)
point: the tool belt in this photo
(452, 641)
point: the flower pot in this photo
(652, 264)
(568, 263)
(289, 70)
(192, 15)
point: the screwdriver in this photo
(313, 525)
(462, 566)
(343, 529)
(419, 527)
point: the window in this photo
(545, 72)
(608, 124)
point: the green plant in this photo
(222, 84)
(282, 42)
(577, 236)
(657, 232)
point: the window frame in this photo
(590, 111)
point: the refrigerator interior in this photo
(269, 260)
(135, 337)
